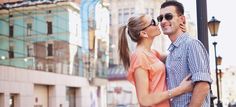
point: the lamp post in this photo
(213, 25)
(220, 73)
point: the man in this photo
(187, 56)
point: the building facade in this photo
(43, 55)
(31, 88)
(227, 83)
(42, 37)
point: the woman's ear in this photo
(143, 34)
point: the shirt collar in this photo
(177, 42)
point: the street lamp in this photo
(213, 25)
(220, 73)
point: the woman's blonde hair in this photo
(134, 26)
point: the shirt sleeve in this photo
(198, 61)
(136, 61)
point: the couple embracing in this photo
(179, 79)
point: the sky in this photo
(223, 11)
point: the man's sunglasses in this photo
(153, 23)
(167, 16)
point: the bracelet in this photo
(169, 94)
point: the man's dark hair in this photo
(179, 6)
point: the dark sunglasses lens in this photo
(153, 22)
(159, 18)
(168, 16)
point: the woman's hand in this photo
(186, 84)
(183, 27)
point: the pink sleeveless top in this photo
(155, 69)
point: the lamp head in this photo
(219, 60)
(213, 26)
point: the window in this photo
(132, 11)
(11, 52)
(13, 100)
(30, 51)
(76, 30)
(71, 96)
(11, 30)
(1, 99)
(49, 11)
(150, 11)
(146, 11)
(110, 18)
(120, 16)
(50, 67)
(126, 15)
(81, 64)
(29, 29)
(40, 66)
(49, 26)
(50, 50)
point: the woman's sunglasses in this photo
(167, 16)
(153, 23)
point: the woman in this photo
(145, 69)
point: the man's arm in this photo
(200, 91)
(199, 67)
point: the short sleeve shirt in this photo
(155, 69)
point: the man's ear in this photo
(143, 34)
(183, 19)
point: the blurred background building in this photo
(50, 51)
(227, 85)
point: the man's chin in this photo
(167, 33)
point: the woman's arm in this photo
(163, 57)
(147, 99)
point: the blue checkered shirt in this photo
(187, 56)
